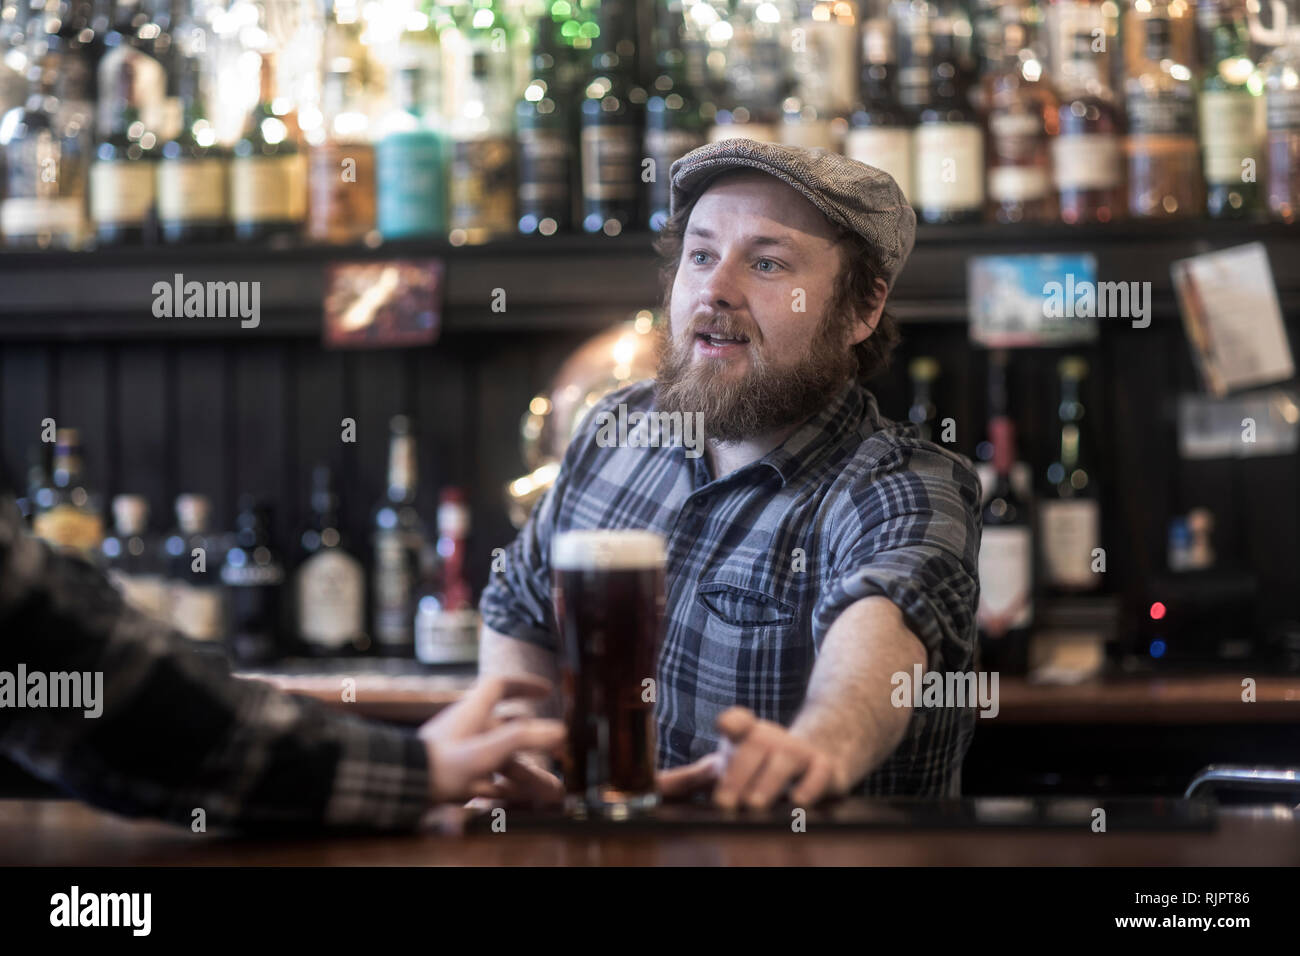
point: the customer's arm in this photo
(177, 733)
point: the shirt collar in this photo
(824, 429)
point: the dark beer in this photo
(609, 599)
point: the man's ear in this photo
(869, 317)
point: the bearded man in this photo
(817, 549)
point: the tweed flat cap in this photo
(853, 194)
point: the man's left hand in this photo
(758, 759)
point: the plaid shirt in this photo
(177, 732)
(762, 561)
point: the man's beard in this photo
(766, 397)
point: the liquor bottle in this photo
(482, 175)
(1023, 119)
(1164, 163)
(196, 600)
(133, 558)
(123, 171)
(756, 69)
(923, 370)
(39, 493)
(71, 521)
(402, 555)
(949, 184)
(611, 125)
(880, 134)
(45, 147)
(13, 54)
(330, 592)
(545, 131)
(409, 157)
(128, 38)
(1231, 112)
(1069, 511)
(1281, 69)
(912, 21)
(193, 170)
(824, 74)
(341, 165)
(674, 124)
(253, 576)
(156, 39)
(268, 171)
(1087, 152)
(447, 622)
(1006, 558)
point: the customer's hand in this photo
(473, 753)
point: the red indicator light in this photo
(1157, 611)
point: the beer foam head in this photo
(624, 550)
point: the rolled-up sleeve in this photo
(910, 533)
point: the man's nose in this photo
(722, 287)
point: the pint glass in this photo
(608, 588)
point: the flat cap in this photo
(853, 194)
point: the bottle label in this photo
(252, 575)
(949, 166)
(33, 217)
(544, 156)
(409, 172)
(1161, 114)
(1018, 183)
(1071, 529)
(268, 189)
(1006, 579)
(121, 192)
(395, 581)
(69, 528)
(808, 134)
(610, 158)
(331, 598)
(446, 637)
(481, 184)
(886, 148)
(1087, 161)
(665, 147)
(1282, 107)
(192, 190)
(341, 205)
(197, 612)
(1232, 130)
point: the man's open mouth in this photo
(715, 339)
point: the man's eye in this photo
(775, 265)
(695, 257)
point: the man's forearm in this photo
(848, 709)
(503, 656)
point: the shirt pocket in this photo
(744, 608)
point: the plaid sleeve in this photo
(517, 599)
(175, 731)
(912, 536)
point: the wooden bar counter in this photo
(65, 833)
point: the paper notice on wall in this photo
(1232, 318)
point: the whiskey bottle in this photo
(1164, 163)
